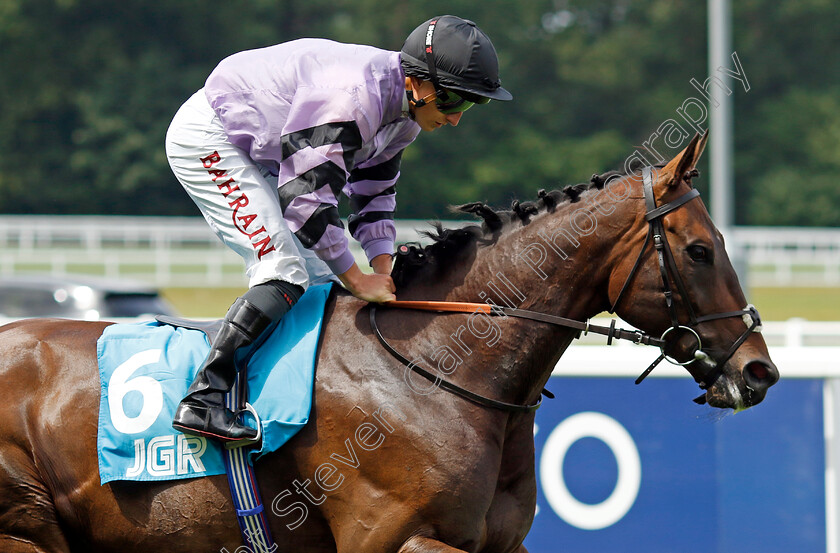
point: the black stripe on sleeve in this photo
(385, 171)
(345, 133)
(353, 221)
(327, 173)
(312, 231)
(359, 201)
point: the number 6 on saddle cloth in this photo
(145, 369)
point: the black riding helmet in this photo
(454, 54)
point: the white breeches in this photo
(238, 198)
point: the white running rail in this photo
(182, 251)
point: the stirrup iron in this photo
(233, 444)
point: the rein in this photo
(445, 384)
(611, 332)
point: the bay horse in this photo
(390, 462)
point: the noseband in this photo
(668, 271)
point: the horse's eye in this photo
(699, 254)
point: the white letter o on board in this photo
(590, 424)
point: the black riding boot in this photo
(248, 322)
(202, 412)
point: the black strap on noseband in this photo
(749, 313)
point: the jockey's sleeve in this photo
(323, 132)
(373, 199)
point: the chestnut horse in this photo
(390, 462)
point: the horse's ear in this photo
(698, 151)
(674, 172)
(699, 147)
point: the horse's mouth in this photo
(724, 394)
(736, 393)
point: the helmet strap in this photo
(430, 54)
(422, 101)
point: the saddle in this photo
(160, 358)
(209, 328)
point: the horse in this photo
(390, 461)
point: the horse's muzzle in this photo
(739, 389)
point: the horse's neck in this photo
(556, 264)
(545, 266)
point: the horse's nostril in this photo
(759, 375)
(758, 371)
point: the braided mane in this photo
(449, 243)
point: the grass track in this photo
(780, 304)
(202, 302)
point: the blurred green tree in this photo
(89, 87)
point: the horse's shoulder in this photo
(341, 310)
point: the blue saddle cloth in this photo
(146, 368)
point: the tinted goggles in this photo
(449, 102)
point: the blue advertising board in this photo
(628, 468)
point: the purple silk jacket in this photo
(326, 118)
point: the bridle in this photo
(667, 269)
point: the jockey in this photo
(269, 143)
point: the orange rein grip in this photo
(444, 306)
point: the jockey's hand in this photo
(373, 287)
